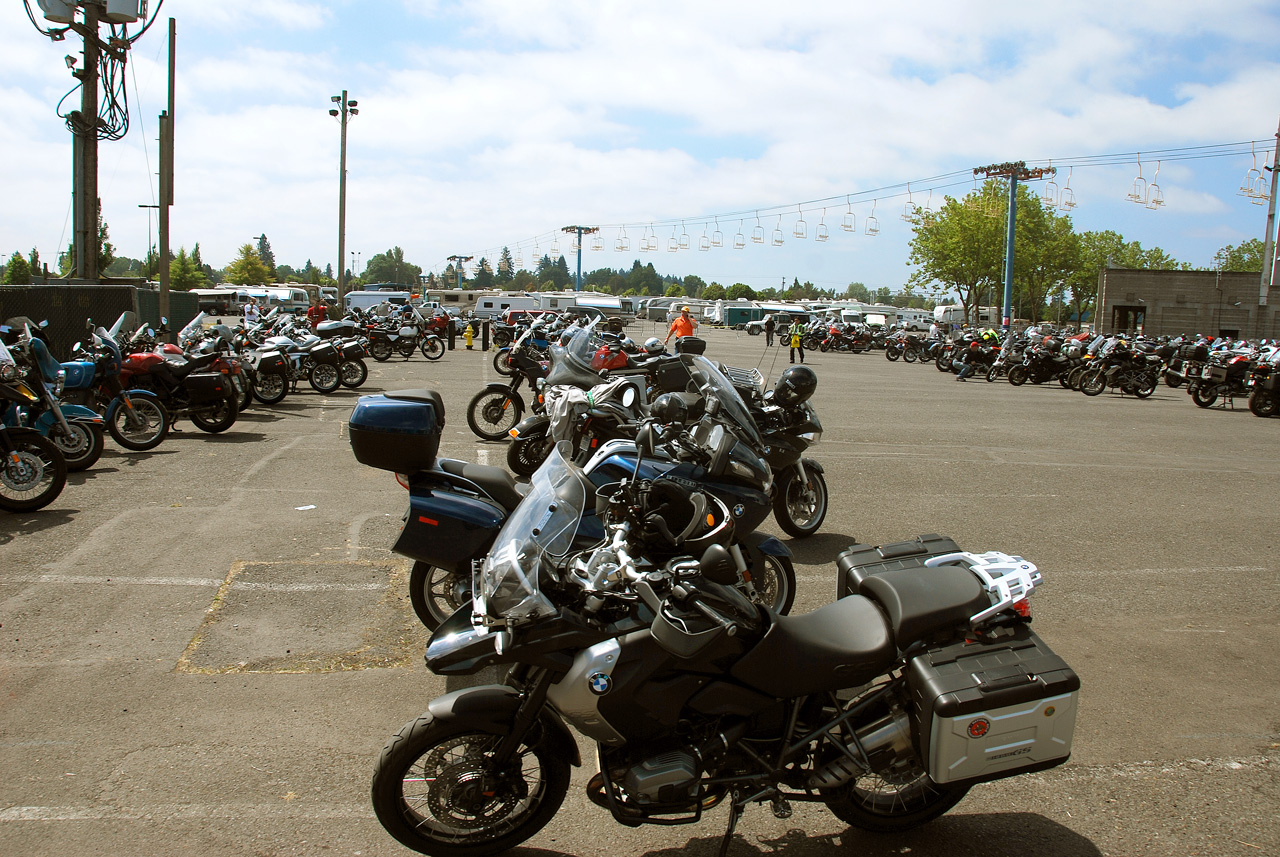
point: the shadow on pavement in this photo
(819, 548)
(14, 524)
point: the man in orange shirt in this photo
(684, 325)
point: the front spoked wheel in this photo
(525, 455)
(138, 423)
(437, 790)
(32, 474)
(493, 413)
(432, 348)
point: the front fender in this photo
(531, 425)
(493, 707)
(762, 543)
(117, 403)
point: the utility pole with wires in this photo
(108, 119)
(1012, 171)
(1269, 245)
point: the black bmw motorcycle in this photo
(887, 705)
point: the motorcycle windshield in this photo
(542, 526)
(571, 359)
(713, 383)
(127, 321)
(109, 342)
(193, 330)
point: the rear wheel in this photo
(243, 394)
(493, 413)
(526, 454)
(324, 377)
(437, 791)
(1018, 375)
(380, 350)
(1146, 386)
(32, 474)
(502, 362)
(271, 388)
(138, 423)
(216, 418)
(910, 355)
(892, 354)
(892, 803)
(1204, 396)
(437, 593)
(353, 373)
(1262, 403)
(943, 361)
(82, 449)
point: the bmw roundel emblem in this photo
(600, 684)
(739, 510)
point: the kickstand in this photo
(735, 813)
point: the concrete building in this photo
(1168, 303)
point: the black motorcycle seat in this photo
(926, 603)
(495, 481)
(193, 364)
(842, 644)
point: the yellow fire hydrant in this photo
(468, 335)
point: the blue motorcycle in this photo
(77, 431)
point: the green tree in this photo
(858, 292)
(268, 258)
(151, 264)
(391, 267)
(1047, 253)
(184, 274)
(247, 269)
(560, 274)
(694, 286)
(959, 248)
(674, 291)
(506, 267)
(740, 291)
(18, 271)
(1246, 257)
(484, 278)
(713, 292)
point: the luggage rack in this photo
(748, 382)
(1006, 578)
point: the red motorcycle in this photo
(188, 388)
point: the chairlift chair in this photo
(802, 228)
(597, 241)
(821, 233)
(757, 234)
(1049, 196)
(555, 247)
(739, 240)
(717, 238)
(1155, 194)
(777, 233)
(684, 237)
(518, 261)
(704, 243)
(850, 221)
(873, 225)
(673, 243)
(1138, 193)
(622, 243)
(910, 211)
(1252, 178)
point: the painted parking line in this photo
(81, 580)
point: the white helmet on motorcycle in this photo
(653, 345)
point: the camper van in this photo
(915, 319)
(370, 299)
(985, 316)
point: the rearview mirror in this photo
(645, 441)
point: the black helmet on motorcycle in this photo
(678, 520)
(670, 408)
(794, 386)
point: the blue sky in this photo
(484, 124)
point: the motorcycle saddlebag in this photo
(272, 362)
(986, 710)
(324, 353)
(352, 350)
(205, 387)
(859, 562)
(1216, 374)
(398, 431)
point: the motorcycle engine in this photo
(668, 778)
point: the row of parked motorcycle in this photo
(625, 593)
(131, 384)
(1128, 365)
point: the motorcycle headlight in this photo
(811, 436)
(8, 371)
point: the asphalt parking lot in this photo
(204, 648)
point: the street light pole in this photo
(345, 110)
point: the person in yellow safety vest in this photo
(684, 325)
(796, 334)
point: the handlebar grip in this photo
(712, 614)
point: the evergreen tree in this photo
(34, 261)
(268, 258)
(484, 278)
(18, 271)
(184, 274)
(248, 269)
(506, 267)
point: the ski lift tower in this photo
(580, 230)
(1012, 171)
